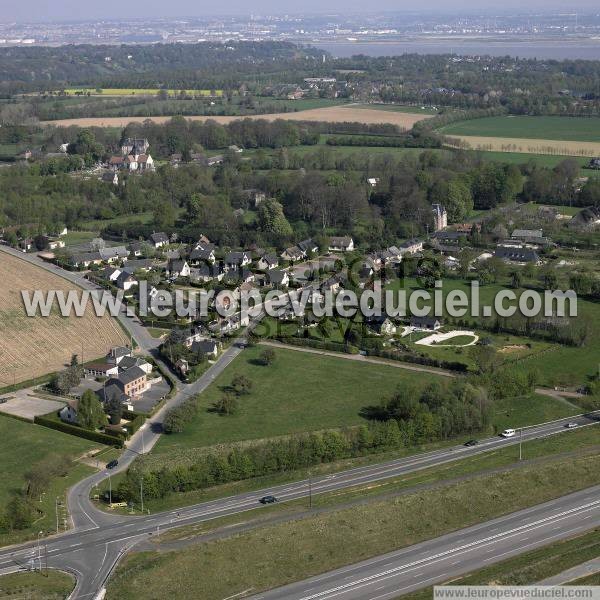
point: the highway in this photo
(99, 539)
(444, 558)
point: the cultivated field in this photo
(31, 347)
(527, 146)
(336, 114)
(137, 92)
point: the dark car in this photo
(472, 443)
(112, 464)
(268, 500)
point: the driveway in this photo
(24, 403)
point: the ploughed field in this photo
(34, 346)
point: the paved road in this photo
(442, 559)
(99, 540)
(590, 567)
(362, 359)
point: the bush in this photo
(178, 417)
(103, 438)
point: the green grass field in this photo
(580, 129)
(24, 444)
(555, 363)
(53, 585)
(298, 392)
(281, 553)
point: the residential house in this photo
(267, 262)
(241, 275)
(382, 325)
(255, 197)
(206, 346)
(278, 278)
(110, 274)
(129, 362)
(158, 240)
(203, 255)
(117, 354)
(237, 259)
(134, 146)
(177, 268)
(341, 244)
(411, 246)
(85, 259)
(125, 281)
(110, 177)
(113, 254)
(517, 254)
(333, 284)
(426, 323)
(142, 264)
(132, 382)
(308, 246)
(206, 272)
(293, 254)
(137, 248)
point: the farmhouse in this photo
(117, 354)
(101, 369)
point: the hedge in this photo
(103, 438)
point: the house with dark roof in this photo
(206, 272)
(132, 382)
(267, 262)
(208, 347)
(426, 323)
(202, 255)
(278, 278)
(382, 325)
(177, 268)
(237, 259)
(341, 244)
(517, 254)
(113, 253)
(159, 239)
(125, 281)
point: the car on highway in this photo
(571, 425)
(471, 443)
(268, 500)
(508, 433)
(112, 464)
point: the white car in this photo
(507, 433)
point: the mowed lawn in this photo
(298, 392)
(579, 129)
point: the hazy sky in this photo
(59, 10)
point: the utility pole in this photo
(142, 491)
(109, 490)
(56, 511)
(309, 490)
(521, 444)
(39, 550)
